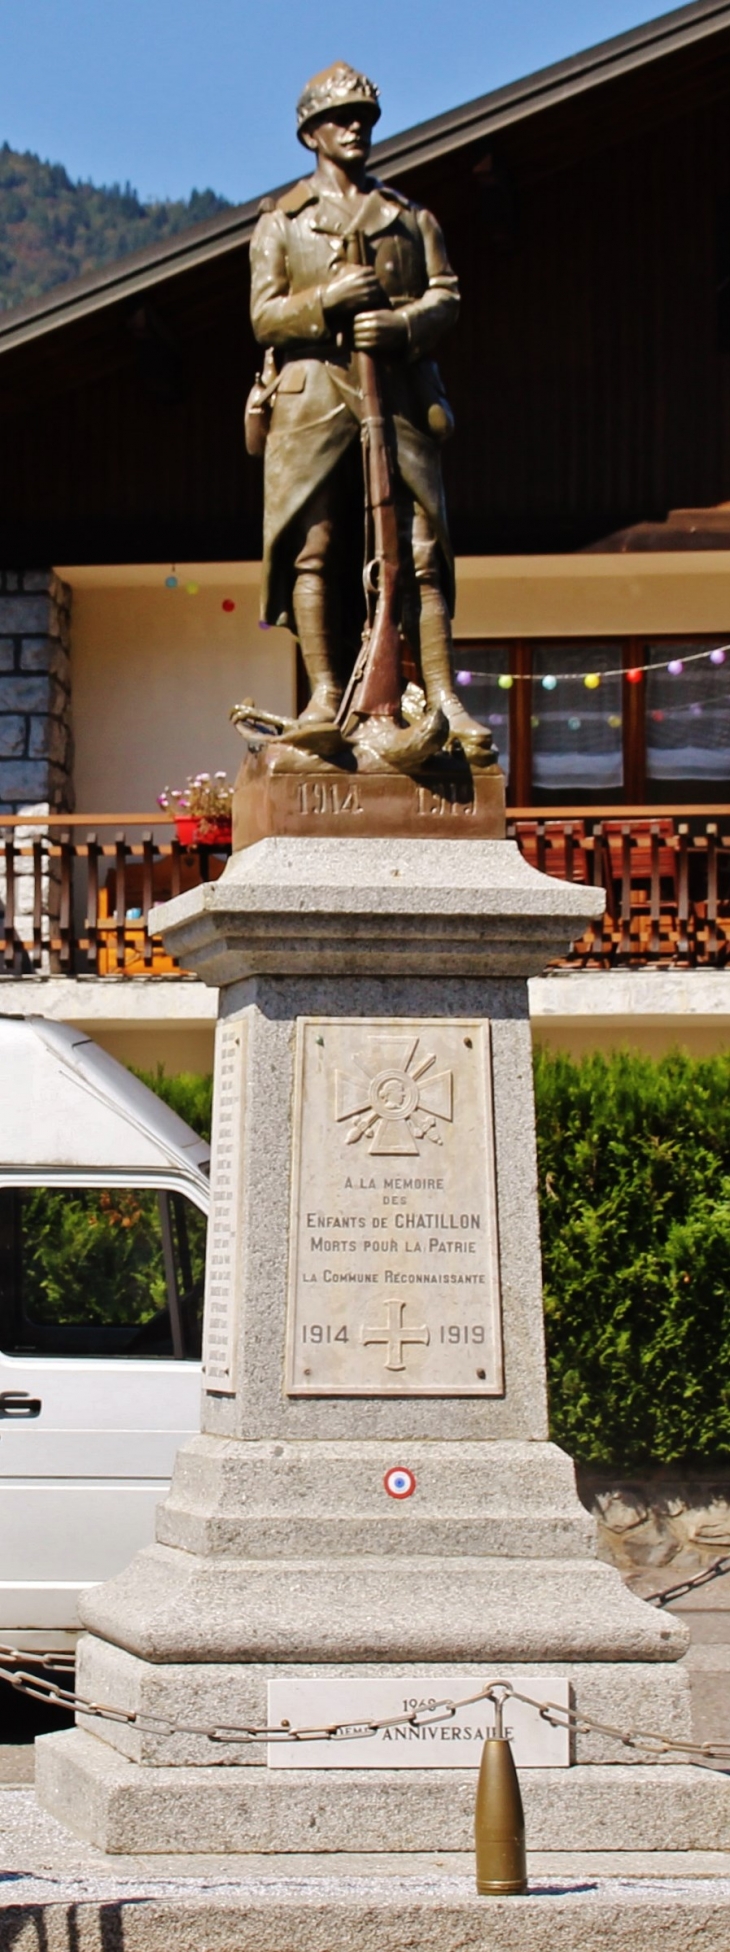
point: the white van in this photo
(103, 1206)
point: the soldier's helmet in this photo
(337, 87)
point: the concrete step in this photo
(103, 1797)
(64, 1892)
(345, 1911)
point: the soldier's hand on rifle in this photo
(379, 332)
(355, 289)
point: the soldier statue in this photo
(318, 306)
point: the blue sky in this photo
(180, 94)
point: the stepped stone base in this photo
(629, 1694)
(174, 1606)
(237, 1500)
(121, 1808)
(58, 1893)
(280, 1547)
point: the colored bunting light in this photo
(592, 680)
(635, 676)
(549, 683)
(676, 667)
(717, 656)
(228, 603)
(505, 681)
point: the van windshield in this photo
(101, 1270)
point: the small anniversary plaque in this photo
(393, 1261)
(437, 1739)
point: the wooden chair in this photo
(123, 947)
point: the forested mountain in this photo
(52, 230)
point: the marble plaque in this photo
(393, 1264)
(222, 1253)
(440, 1741)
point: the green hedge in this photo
(634, 1166)
(188, 1094)
(634, 1171)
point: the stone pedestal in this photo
(373, 1307)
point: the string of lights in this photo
(592, 680)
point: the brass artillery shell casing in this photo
(499, 1824)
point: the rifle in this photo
(375, 686)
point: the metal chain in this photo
(553, 1712)
(669, 1593)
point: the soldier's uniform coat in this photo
(296, 250)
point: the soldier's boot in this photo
(438, 680)
(309, 603)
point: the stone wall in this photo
(36, 742)
(661, 1517)
(36, 747)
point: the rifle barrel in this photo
(376, 685)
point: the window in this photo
(478, 670)
(687, 715)
(576, 732)
(637, 740)
(100, 1271)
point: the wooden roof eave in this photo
(427, 141)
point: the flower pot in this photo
(185, 829)
(214, 833)
(206, 833)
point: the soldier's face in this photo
(343, 135)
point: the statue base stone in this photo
(283, 789)
(373, 1199)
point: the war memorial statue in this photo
(351, 290)
(372, 1531)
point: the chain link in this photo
(670, 1593)
(647, 1741)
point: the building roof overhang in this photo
(427, 142)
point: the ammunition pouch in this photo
(257, 411)
(435, 413)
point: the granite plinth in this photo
(249, 1260)
(376, 908)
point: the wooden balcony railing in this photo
(666, 876)
(75, 892)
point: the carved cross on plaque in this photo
(395, 1335)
